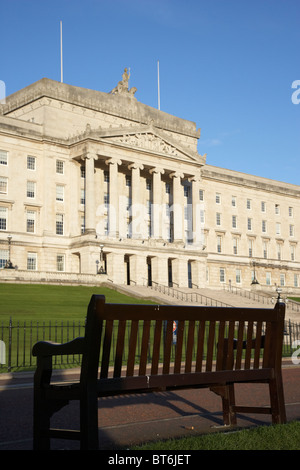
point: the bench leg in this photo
(89, 422)
(277, 400)
(41, 424)
(226, 392)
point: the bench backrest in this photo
(129, 340)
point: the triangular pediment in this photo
(149, 139)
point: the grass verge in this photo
(37, 302)
(273, 437)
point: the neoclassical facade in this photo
(99, 184)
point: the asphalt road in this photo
(134, 419)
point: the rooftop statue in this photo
(122, 87)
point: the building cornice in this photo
(122, 106)
(254, 182)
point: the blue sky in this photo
(227, 65)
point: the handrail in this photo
(188, 296)
(247, 293)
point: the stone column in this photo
(157, 209)
(113, 212)
(196, 211)
(178, 209)
(137, 207)
(90, 203)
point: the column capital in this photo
(113, 161)
(176, 174)
(135, 166)
(156, 170)
(194, 179)
(90, 155)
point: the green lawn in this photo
(47, 312)
(275, 437)
(32, 302)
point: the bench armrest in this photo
(48, 348)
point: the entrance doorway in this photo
(149, 271)
(127, 269)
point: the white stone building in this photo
(97, 182)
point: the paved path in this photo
(134, 419)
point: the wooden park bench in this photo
(215, 347)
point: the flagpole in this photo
(158, 85)
(61, 54)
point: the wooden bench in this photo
(139, 359)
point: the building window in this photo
(202, 216)
(282, 280)
(3, 218)
(264, 226)
(59, 224)
(222, 275)
(59, 193)
(30, 163)
(106, 200)
(60, 262)
(233, 201)
(4, 255)
(291, 229)
(248, 203)
(82, 196)
(238, 277)
(186, 191)
(277, 209)
(265, 250)
(82, 171)
(278, 247)
(235, 246)
(278, 228)
(234, 221)
(201, 195)
(30, 189)
(268, 278)
(292, 251)
(291, 212)
(296, 280)
(106, 176)
(30, 221)
(82, 224)
(263, 206)
(219, 244)
(60, 167)
(218, 198)
(250, 248)
(249, 224)
(3, 185)
(218, 218)
(3, 157)
(32, 261)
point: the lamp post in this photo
(254, 281)
(8, 264)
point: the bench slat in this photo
(156, 346)
(190, 346)
(144, 347)
(132, 347)
(179, 346)
(119, 348)
(106, 348)
(168, 346)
